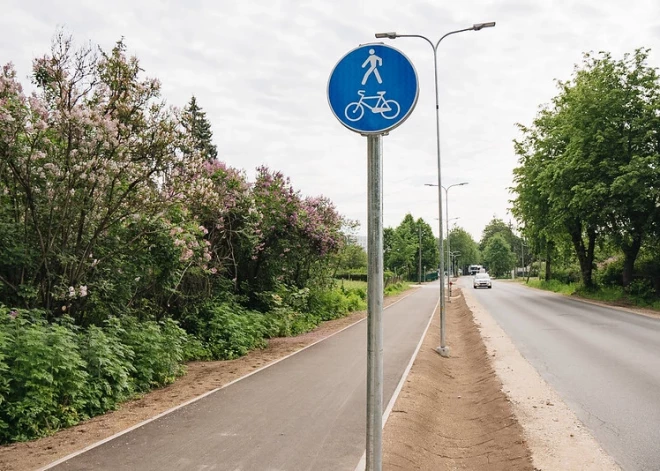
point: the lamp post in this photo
(454, 256)
(447, 219)
(442, 349)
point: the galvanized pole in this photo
(420, 253)
(442, 349)
(374, 449)
(448, 246)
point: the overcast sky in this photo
(260, 69)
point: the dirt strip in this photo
(556, 437)
(452, 413)
(200, 378)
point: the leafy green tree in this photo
(402, 246)
(593, 158)
(197, 126)
(498, 256)
(82, 166)
(430, 258)
(461, 241)
(498, 226)
(353, 257)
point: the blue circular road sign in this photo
(373, 89)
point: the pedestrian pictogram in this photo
(373, 61)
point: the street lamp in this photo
(442, 350)
(447, 219)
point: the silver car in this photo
(482, 280)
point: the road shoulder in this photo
(557, 439)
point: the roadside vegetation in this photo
(587, 189)
(127, 248)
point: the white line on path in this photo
(388, 410)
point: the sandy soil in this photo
(556, 437)
(201, 377)
(452, 413)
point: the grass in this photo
(606, 294)
(396, 288)
(391, 289)
(350, 284)
(552, 285)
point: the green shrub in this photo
(194, 349)
(109, 367)
(566, 275)
(355, 288)
(285, 322)
(230, 331)
(4, 374)
(328, 304)
(395, 288)
(611, 275)
(355, 302)
(553, 285)
(157, 351)
(47, 379)
(642, 289)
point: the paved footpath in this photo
(307, 412)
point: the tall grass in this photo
(353, 284)
(606, 294)
(554, 286)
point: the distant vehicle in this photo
(474, 269)
(482, 280)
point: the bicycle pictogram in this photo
(388, 109)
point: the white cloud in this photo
(260, 71)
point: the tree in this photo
(594, 156)
(461, 241)
(401, 246)
(498, 226)
(198, 128)
(430, 249)
(498, 256)
(82, 165)
(353, 257)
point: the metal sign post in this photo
(375, 302)
(372, 90)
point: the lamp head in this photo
(389, 35)
(480, 26)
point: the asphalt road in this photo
(604, 362)
(307, 412)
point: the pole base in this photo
(443, 351)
